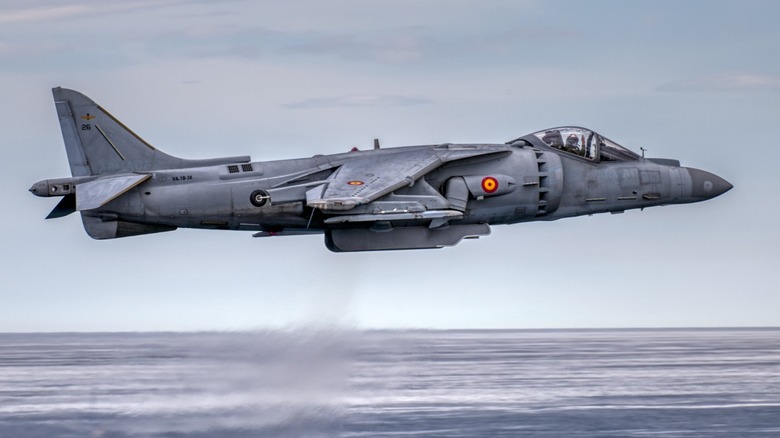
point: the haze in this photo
(697, 81)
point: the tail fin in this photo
(99, 144)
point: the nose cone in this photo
(39, 189)
(706, 185)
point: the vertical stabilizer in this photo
(99, 144)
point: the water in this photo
(609, 383)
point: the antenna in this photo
(376, 143)
(643, 151)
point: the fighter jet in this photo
(411, 197)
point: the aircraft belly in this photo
(496, 215)
(129, 204)
(188, 205)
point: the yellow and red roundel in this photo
(355, 183)
(489, 184)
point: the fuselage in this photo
(409, 197)
(550, 185)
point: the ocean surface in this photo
(328, 383)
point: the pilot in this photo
(553, 138)
(573, 144)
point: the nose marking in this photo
(707, 186)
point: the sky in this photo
(697, 81)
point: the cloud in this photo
(738, 82)
(404, 45)
(511, 39)
(394, 46)
(41, 14)
(17, 12)
(358, 101)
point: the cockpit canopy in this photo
(585, 143)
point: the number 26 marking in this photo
(86, 127)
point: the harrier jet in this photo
(411, 197)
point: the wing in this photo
(361, 180)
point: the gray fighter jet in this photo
(379, 199)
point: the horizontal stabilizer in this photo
(97, 193)
(66, 206)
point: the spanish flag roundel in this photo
(489, 184)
